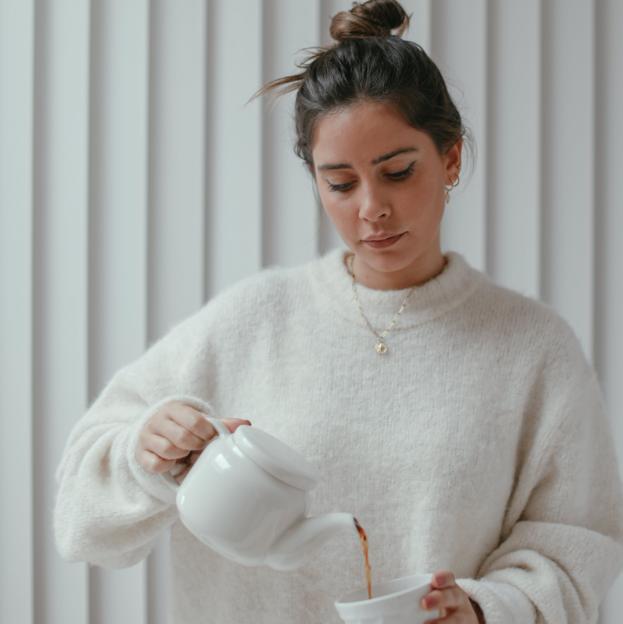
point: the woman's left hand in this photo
(455, 605)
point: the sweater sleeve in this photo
(108, 510)
(559, 558)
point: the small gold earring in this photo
(450, 186)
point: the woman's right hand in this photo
(177, 433)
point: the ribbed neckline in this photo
(332, 282)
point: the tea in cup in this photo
(396, 601)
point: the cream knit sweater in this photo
(479, 443)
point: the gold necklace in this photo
(380, 347)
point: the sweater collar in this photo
(333, 284)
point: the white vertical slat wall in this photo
(135, 183)
(17, 466)
(118, 217)
(60, 265)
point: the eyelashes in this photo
(398, 176)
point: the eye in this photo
(398, 175)
(338, 187)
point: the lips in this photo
(386, 242)
(380, 237)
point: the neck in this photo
(412, 275)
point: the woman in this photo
(459, 421)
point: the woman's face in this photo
(378, 176)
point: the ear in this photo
(452, 160)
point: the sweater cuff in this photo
(156, 484)
(501, 603)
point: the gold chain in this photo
(380, 347)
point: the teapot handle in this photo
(221, 430)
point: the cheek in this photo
(421, 189)
(426, 195)
(343, 217)
(336, 209)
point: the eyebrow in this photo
(375, 161)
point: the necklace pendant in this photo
(381, 347)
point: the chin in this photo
(388, 262)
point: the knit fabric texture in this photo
(479, 443)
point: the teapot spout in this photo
(302, 539)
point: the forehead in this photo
(363, 131)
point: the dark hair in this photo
(369, 62)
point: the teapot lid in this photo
(276, 457)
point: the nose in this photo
(373, 205)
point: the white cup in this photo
(393, 602)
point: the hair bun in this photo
(374, 18)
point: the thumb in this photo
(233, 423)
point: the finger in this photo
(189, 459)
(443, 578)
(153, 462)
(182, 474)
(450, 598)
(196, 422)
(193, 420)
(165, 447)
(233, 423)
(185, 464)
(181, 437)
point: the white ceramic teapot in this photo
(246, 498)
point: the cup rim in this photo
(426, 577)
